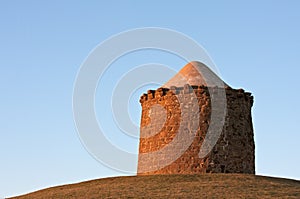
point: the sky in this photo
(255, 46)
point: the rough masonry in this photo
(162, 115)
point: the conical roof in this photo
(195, 74)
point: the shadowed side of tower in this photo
(175, 121)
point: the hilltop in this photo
(176, 186)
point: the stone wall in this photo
(162, 116)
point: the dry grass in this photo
(177, 186)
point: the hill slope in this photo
(177, 186)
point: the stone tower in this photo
(180, 122)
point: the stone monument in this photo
(164, 116)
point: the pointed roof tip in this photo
(195, 73)
(190, 69)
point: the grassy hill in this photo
(177, 186)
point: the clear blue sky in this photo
(43, 43)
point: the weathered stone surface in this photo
(234, 151)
